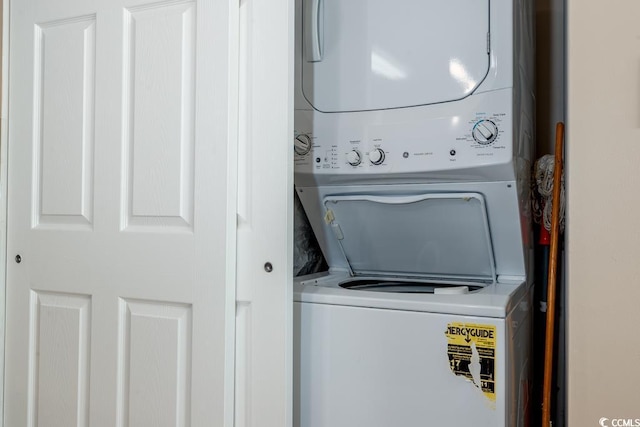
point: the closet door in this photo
(121, 213)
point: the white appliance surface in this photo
(438, 142)
(380, 359)
(494, 300)
(352, 61)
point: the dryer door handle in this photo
(313, 26)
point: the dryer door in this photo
(363, 55)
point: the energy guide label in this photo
(471, 349)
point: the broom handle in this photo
(551, 284)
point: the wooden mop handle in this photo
(551, 284)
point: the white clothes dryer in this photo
(413, 142)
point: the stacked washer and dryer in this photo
(413, 144)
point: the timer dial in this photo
(302, 144)
(485, 132)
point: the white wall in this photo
(603, 236)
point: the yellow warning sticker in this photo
(472, 354)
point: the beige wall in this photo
(603, 210)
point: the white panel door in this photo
(121, 217)
(264, 317)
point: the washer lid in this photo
(363, 55)
(426, 235)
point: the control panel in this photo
(443, 143)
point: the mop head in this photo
(543, 192)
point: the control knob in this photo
(354, 158)
(485, 132)
(302, 144)
(376, 156)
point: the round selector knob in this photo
(302, 144)
(376, 156)
(485, 132)
(354, 158)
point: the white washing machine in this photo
(413, 146)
